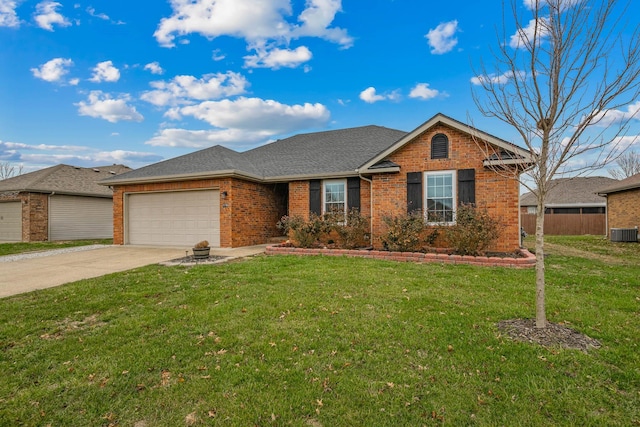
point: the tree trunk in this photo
(541, 316)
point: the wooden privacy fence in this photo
(567, 224)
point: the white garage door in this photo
(75, 218)
(180, 218)
(10, 221)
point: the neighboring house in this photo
(58, 203)
(623, 203)
(572, 207)
(235, 199)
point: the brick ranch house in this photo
(235, 199)
(623, 203)
(61, 202)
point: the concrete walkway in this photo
(55, 268)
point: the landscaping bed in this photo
(522, 259)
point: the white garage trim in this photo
(10, 221)
(175, 218)
(77, 217)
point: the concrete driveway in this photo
(59, 267)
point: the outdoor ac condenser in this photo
(624, 234)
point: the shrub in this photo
(352, 230)
(474, 231)
(403, 232)
(201, 245)
(304, 233)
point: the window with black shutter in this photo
(315, 197)
(440, 147)
(353, 193)
(466, 187)
(414, 192)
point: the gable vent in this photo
(624, 234)
(440, 147)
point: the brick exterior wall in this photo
(35, 215)
(623, 209)
(248, 214)
(498, 194)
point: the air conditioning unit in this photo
(624, 234)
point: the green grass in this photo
(322, 341)
(22, 247)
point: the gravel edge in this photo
(40, 254)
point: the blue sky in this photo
(102, 82)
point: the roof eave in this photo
(304, 177)
(231, 173)
(618, 189)
(370, 171)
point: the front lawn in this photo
(323, 341)
(22, 247)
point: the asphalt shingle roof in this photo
(311, 154)
(629, 183)
(64, 179)
(568, 191)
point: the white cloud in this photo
(317, 18)
(154, 68)
(259, 23)
(46, 15)
(182, 89)
(612, 117)
(44, 155)
(524, 36)
(53, 70)
(369, 95)
(258, 115)
(496, 79)
(92, 11)
(105, 72)
(207, 138)
(423, 91)
(277, 58)
(8, 16)
(101, 105)
(442, 38)
(216, 55)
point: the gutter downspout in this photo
(370, 181)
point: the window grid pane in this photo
(334, 197)
(440, 197)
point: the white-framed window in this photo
(440, 197)
(334, 196)
(531, 209)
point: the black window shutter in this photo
(440, 147)
(414, 191)
(315, 198)
(467, 186)
(353, 193)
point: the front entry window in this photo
(441, 192)
(335, 196)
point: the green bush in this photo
(474, 231)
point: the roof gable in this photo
(64, 179)
(516, 155)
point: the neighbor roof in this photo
(630, 183)
(344, 152)
(64, 179)
(577, 191)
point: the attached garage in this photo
(175, 218)
(76, 217)
(10, 221)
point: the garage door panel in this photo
(11, 221)
(173, 218)
(76, 217)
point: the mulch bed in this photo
(554, 335)
(191, 260)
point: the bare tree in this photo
(7, 170)
(629, 164)
(560, 82)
